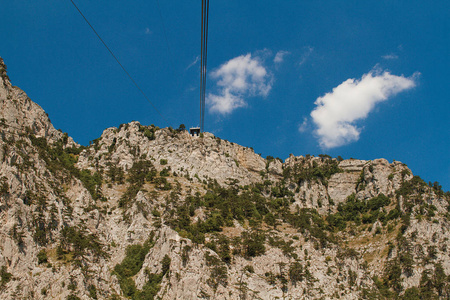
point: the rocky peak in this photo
(19, 115)
(200, 158)
(5, 84)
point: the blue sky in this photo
(361, 79)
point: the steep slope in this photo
(147, 213)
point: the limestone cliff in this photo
(146, 212)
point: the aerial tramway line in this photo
(203, 60)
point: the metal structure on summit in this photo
(203, 60)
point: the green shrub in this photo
(296, 272)
(131, 265)
(358, 211)
(134, 258)
(4, 187)
(5, 277)
(116, 174)
(92, 182)
(151, 286)
(148, 131)
(79, 243)
(249, 268)
(92, 291)
(164, 172)
(253, 243)
(42, 257)
(305, 171)
(141, 171)
(165, 264)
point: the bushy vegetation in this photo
(4, 187)
(43, 227)
(308, 220)
(77, 243)
(296, 272)
(139, 173)
(62, 160)
(42, 257)
(307, 170)
(224, 205)
(148, 131)
(134, 258)
(218, 273)
(116, 174)
(132, 264)
(434, 284)
(5, 277)
(92, 182)
(253, 243)
(412, 187)
(360, 211)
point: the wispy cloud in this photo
(390, 56)
(193, 63)
(279, 57)
(304, 126)
(240, 77)
(352, 100)
(306, 54)
(148, 31)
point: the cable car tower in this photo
(203, 60)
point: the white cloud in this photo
(352, 100)
(279, 57)
(390, 56)
(225, 103)
(240, 77)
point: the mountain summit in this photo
(155, 213)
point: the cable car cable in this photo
(123, 68)
(203, 63)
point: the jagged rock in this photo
(206, 157)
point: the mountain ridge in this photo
(145, 212)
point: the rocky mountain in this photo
(154, 213)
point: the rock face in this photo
(19, 114)
(146, 213)
(207, 157)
